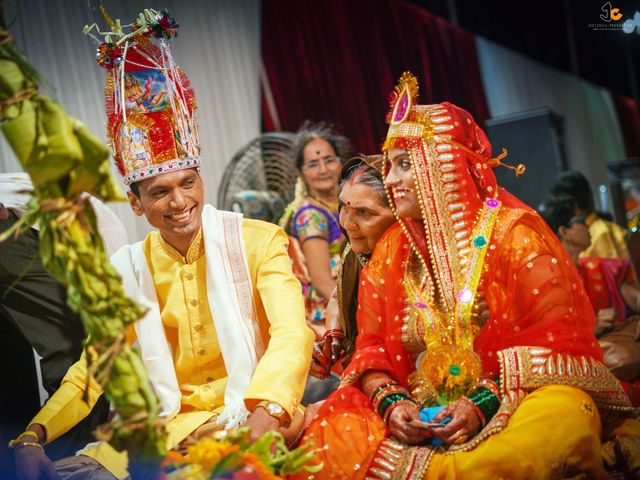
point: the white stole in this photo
(230, 297)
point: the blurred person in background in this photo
(311, 219)
(608, 239)
(609, 285)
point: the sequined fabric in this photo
(527, 307)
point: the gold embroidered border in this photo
(232, 230)
(407, 129)
(413, 331)
(416, 462)
(195, 251)
(498, 422)
(437, 222)
(396, 461)
(528, 368)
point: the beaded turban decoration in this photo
(149, 101)
(459, 203)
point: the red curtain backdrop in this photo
(629, 116)
(338, 60)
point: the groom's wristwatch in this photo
(276, 411)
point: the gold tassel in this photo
(493, 162)
(519, 169)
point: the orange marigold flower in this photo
(254, 461)
(173, 457)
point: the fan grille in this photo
(264, 170)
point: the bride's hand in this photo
(400, 428)
(464, 423)
(320, 361)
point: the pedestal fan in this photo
(260, 179)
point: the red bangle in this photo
(490, 385)
(334, 333)
(387, 413)
(481, 417)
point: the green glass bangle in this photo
(390, 400)
(382, 387)
(486, 401)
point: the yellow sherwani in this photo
(182, 296)
(608, 239)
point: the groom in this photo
(224, 341)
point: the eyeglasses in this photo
(575, 220)
(328, 162)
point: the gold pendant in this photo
(450, 371)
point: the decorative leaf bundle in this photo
(65, 162)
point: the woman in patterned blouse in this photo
(311, 220)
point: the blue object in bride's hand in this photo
(427, 414)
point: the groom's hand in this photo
(261, 422)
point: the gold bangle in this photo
(28, 444)
(27, 433)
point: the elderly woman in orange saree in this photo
(475, 356)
